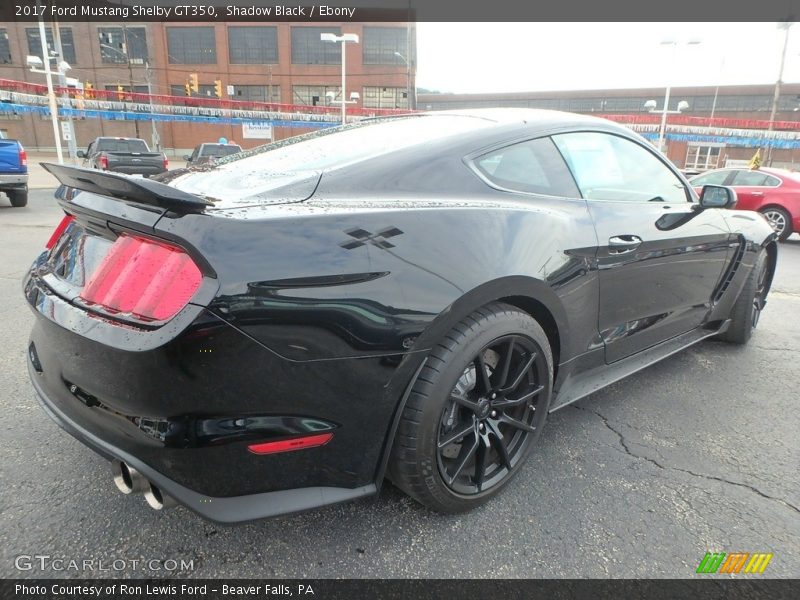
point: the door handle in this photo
(757, 193)
(623, 243)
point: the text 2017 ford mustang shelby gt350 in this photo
(405, 297)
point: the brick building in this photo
(268, 62)
(743, 102)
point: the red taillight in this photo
(103, 161)
(166, 163)
(59, 231)
(309, 441)
(23, 157)
(147, 279)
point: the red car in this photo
(775, 193)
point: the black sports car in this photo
(405, 297)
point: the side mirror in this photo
(81, 154)
(187, 157)
(717, 196)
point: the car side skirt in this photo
(593, 378)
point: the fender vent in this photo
(731, 272)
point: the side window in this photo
(712, 178)
(609, 167)
(534, 166)
(772, 181)
(90, 149)
(743, 177)
(196, 153)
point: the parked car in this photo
(124, 155)
(206, 153)
(405, 297)
(13, 171)
(775, 193)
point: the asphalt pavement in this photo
(697, 453)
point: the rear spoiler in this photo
(123, 187)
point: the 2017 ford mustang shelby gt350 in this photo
(405, 297)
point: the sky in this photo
(517, 57)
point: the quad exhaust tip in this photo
(157, 499)
(127, 479)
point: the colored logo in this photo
(735, 562)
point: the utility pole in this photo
(154, 137)
(62, 82)
(786, 25)
(126, 50)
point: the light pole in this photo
(342, 39)
(786, 25)
(650, 104)
(408, 82)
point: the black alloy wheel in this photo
(475, 410)
(486, 425)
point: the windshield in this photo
(113, 145)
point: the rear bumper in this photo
(222, 510)
(182, 403)
(13, 180)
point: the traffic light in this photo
(218, 88)
(194, 85)
(187, 89)
(88, 90)
(120, 92)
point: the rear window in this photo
(219, 149)
(754, 178)
(534, 166)
(336, 147)
(111, 145)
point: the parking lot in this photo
(697, 453)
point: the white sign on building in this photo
(257, 131)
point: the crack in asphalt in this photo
(632, 454)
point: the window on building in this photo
(381, 46)
(118, 45)
(385, 97)
(67, 43)
(702, 158)
(253, 45)
(5, 48)
(534, 166)
(256, 93)
(191, 45)
(309, 49)
(313, 95)
(609, 167)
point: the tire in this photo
(18, 198)
(450, 398)
(751, 300)
(780, 220)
